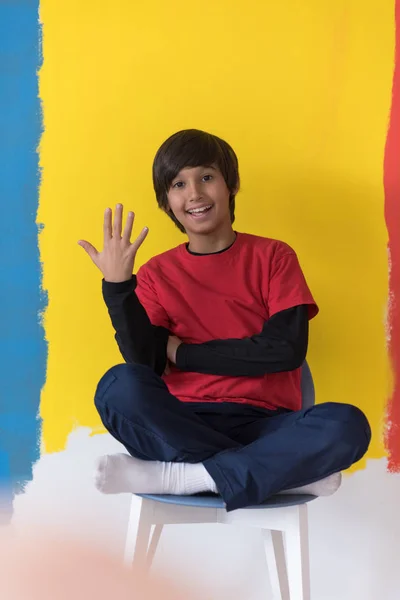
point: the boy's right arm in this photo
(139, 341)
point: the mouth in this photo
(198, 213)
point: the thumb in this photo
(89, 249)
(167, 369)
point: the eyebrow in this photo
(198, 167)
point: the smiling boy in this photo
(214, 333)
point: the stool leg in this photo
(138, 534)
(155, 538)
(276, 562)
(297, 556)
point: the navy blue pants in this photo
(251, 453)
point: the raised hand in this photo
(117, 259)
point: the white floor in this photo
(354, 535)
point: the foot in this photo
(323, 487)
(122, 473)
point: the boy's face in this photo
(199, 199)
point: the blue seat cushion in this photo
(213, 501)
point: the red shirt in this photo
(226, 295)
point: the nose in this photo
(194, 191)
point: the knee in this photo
(348, 413)
(351, 422)
(359, 423)
(123, 388)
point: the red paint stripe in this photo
(392, 216)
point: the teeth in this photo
(199, 210)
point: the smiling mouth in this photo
(199, 212)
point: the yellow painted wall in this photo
(301, 89)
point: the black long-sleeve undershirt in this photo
(280, 346)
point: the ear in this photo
(237, 187)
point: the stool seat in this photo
(214, 501)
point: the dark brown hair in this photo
(193, 148)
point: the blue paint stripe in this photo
(23, 350)
(6, 492)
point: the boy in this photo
(214, 334)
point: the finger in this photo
(128, 226)
(91, 250)
(117, 227)
(107, 224)
(140, 239)
(167, 369)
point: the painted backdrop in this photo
(303, 92)
(308, 94)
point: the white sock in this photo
(122, 473)
(323, 487)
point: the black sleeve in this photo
(281, 346)
(138, 340)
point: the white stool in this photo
(282, 521)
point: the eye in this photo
(207, 177)
(178, 184)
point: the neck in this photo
(211, 242)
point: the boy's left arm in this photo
(282, 343)
(281, 346)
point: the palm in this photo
(116, 260)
